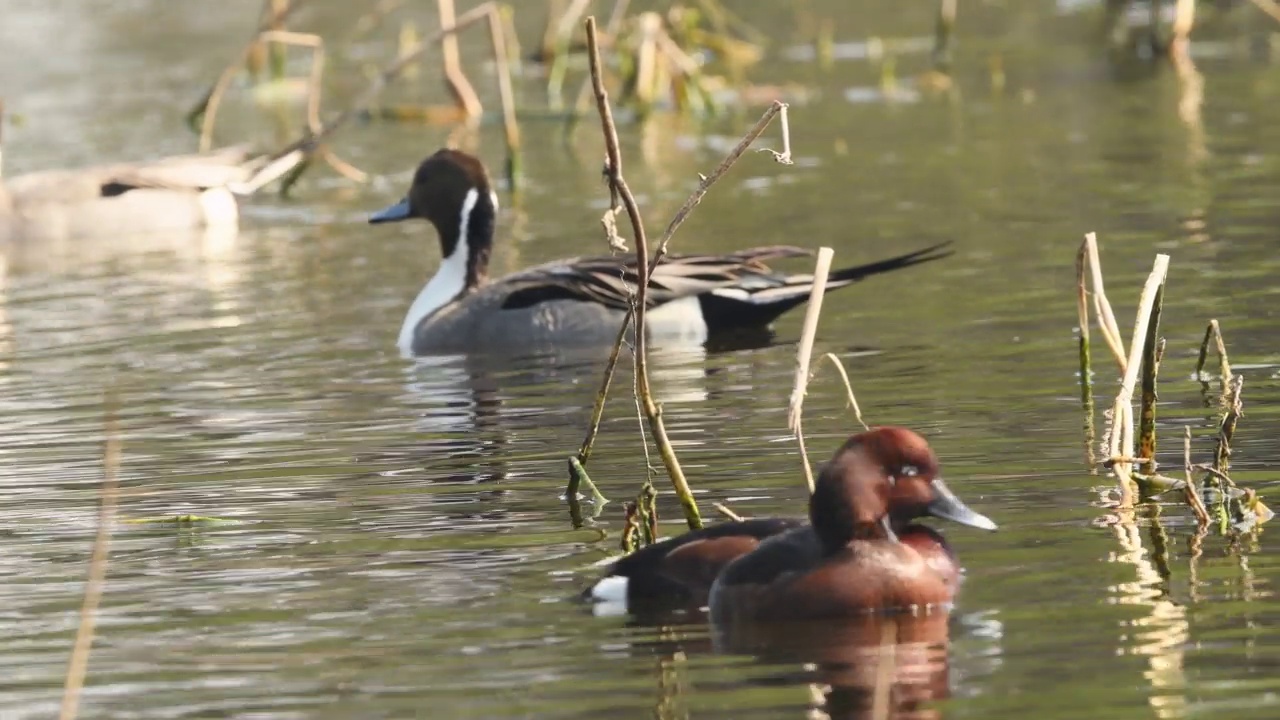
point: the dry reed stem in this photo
(630, 539)
(1270, 7)
(848, 388)
(456, 80)
(944, 32)
(677, 56)
(610, 34)
(644, 85)
(725, 511)
(1152, 354)
(1217, 474)
(1102, 307)
(559, 46)
(804, 354)
(620, 190)
(1190, 93)
(1122, 418)
(272, 21)
(853, 403)
(1214, 332)
(555, 8)
(514, 52)
(511, 128)
(342, 167)
(1192, 488)
(577, 478)
(283, 37)
(273, 9)
(289, 164)
(1086, 364)
(1184, 18)
(1227, 428)
(108, 496)
(706, 181)
(365, 100)
(1082, 313)
(316, 43)
(275, 169)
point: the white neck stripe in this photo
(449, 280)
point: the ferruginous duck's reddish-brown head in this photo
(880, 479)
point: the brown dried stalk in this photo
(507, 97)
(365, 100)
(108, 495)
(1122, 413)
(272, 21)
(1152, 354)
(725, 511)
(1270, 7)
(1102, 307)
(622, 191)
(456, 80)
(1086, 363)
(804, 353)
(624, 199)
(1214, 333)
(210, 111)
(1227, 429)
(1192, 489)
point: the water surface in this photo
(401, 548)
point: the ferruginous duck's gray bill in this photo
(947, 506)
(391, 213)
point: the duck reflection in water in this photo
(874, 666)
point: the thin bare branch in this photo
(706, 181)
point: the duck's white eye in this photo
(910, 471)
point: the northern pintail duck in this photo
(679, 572)
(172, 193)
(580, 300)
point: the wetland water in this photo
(402, 549)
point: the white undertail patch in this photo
(609, 597)
(610, 589)
(679, 319)
(219, 208)
(444, 286)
